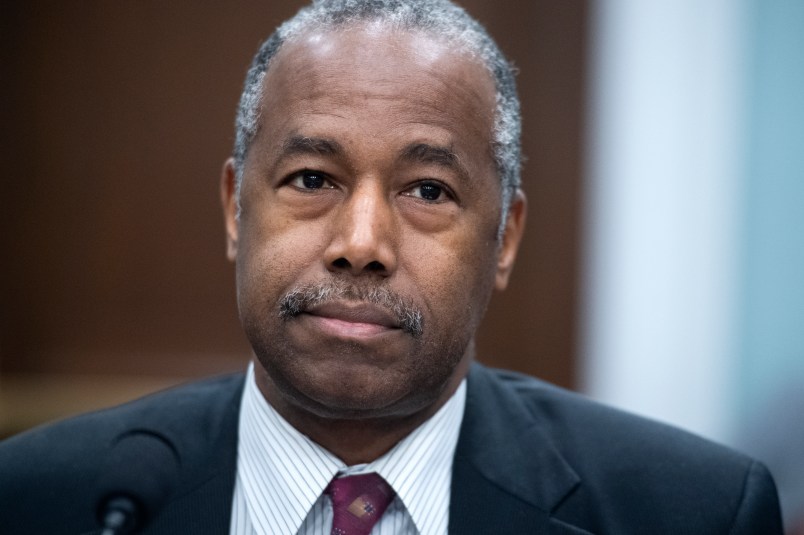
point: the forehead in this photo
(384, 79)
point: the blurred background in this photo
(662, 265)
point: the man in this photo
(372, 206)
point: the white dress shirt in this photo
(282, 474)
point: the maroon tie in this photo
(358, 502)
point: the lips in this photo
(346, 319)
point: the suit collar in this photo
(507, 471)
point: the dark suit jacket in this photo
(531, 458)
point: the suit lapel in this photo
(507, 474)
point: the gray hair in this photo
(440, 18)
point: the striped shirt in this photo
(282, 474)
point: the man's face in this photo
(366, 246)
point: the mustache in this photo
(302, 298)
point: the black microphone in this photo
(137, 478)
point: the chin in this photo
(333, 379)
(362, 391)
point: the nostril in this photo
(375, 266)
(341, 263)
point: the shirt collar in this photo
(283, 470)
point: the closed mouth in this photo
(358, 313)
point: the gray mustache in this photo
(302, 298)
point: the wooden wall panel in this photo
(532, 325)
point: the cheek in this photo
(455, 277)
(274, 254)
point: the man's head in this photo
(368, 237)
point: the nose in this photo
(363, 240)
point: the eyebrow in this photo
(434, 154)
(301, 145)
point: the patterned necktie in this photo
(358, 502)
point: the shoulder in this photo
(184, 407)
(58, 463)
(631, 470)
(584, 428)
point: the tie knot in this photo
(358, 502)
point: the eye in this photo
(428, 191)
(307, 180)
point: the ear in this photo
(229, 202)
(512, 235)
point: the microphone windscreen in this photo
(142, 466)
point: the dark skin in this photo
(373, 167)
